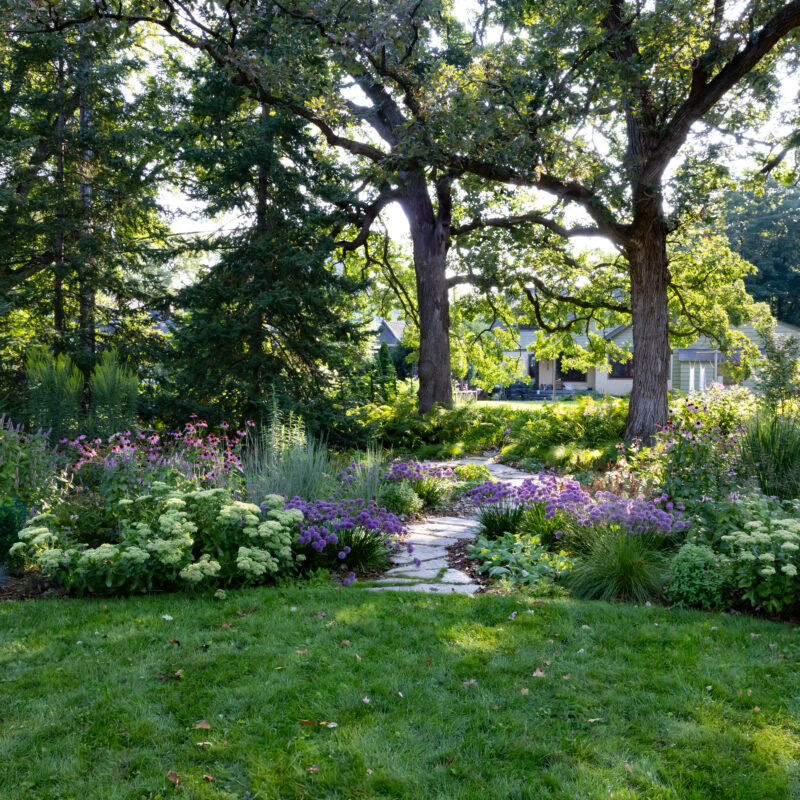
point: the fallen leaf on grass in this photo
(302, 652)
(524, 690)
(539, 673)
(344, 643)
(174, 641)
(567, 676)
(174, 677)
(495, 708)
(226, 624)
(208, 778)
(781, 655)
(204, 725)
(173, 778)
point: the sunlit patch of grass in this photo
(464, 701)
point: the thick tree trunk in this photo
(430, 235)
(649, 272)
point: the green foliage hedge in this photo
(582, 435)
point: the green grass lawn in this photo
(633, 702)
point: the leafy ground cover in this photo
(445, 697)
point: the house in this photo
(692, 368)
(390, 332)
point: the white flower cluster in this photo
(767, 547)
(162, 537)
(200, 570)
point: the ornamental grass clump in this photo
(770, 453)
(618, 566)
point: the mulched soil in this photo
(457, 558)
(27, 587)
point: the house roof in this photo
(391, 332)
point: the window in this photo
(619, 369)
(570, 375)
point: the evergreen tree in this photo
(85, 129)
(271, 314)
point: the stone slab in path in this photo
(430, 588)
(431, 538)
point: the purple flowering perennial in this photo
(414, 471)
(323, 518)
(558, 494)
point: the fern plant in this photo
(55, 393)
(114, 391)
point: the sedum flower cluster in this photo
(766, 556)
(169, 539)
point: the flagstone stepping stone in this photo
(430, 588)
(431, 538)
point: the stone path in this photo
(431, 538)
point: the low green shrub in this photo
(522, 560)
(400, 498)
(167, 539)
(698, 578)
(618, 566)
(472, 472)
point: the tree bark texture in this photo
(430, 235)
(649, 273)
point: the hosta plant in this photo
(519, 559)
